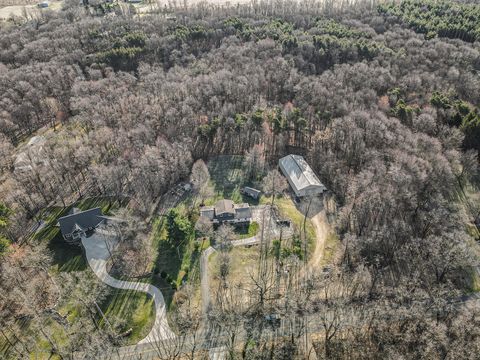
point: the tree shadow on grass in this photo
(167, 264)
(66, 257)
(135, 308)
(227, 175)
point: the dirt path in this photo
(204, 283)
(321, 226)
(316, 213)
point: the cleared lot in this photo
(30, 9)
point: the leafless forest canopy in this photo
(383, 103)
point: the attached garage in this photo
(300, 176)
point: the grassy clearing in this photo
(331, 246)
(245, 232)
(288, 210)
(135, 309)
(474, 283)
(227, 178)
(468, 197)
(175, 262)
(243, 265)
(204, 243)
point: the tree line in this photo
(386, 116)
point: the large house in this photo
(225, 211)
(75, 225)
(300, 176)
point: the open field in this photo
(10, 8)
(243, 265)
(13, 8)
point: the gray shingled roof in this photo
(242, 211)
(224, 206)
(208, 212)
(80, 220)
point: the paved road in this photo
(98, 249)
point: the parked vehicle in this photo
(284, 222)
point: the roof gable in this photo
(242, 211)
(299, 172)
(224, 206)
(80, 220)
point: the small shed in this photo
(253, 193)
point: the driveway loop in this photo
(98, 248)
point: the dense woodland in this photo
(382, 100)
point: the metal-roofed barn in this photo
(300, 176)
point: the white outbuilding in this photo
(300, 176)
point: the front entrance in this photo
(78, 234)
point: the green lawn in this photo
(66, 257)
(244, 232)
(288, 210)
(331, 245)
(174, 262)
(135, 308)
(227, 179)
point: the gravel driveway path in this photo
(98, 249)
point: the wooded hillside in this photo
(383, 101)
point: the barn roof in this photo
(298, 172)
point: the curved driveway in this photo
(98, 249)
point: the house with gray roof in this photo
(225, 211)
(300, 176)
(76, 224)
